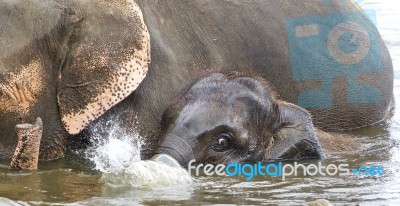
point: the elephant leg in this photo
(26, 154)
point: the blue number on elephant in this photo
(334, 45)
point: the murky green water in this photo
(69, 182)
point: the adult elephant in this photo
(67, 62)
(221, 77)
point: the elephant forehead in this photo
(25, 21)
(206, 115)
(20, 90)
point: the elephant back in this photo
(325, 56)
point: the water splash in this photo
(117, 156)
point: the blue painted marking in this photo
(346, 44)
(312, 60)
(372, 16)
(332, 4)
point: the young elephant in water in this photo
(224, 118)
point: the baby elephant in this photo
(228, 117)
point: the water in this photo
(122, 179)
(117, 157)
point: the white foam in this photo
(117, 156)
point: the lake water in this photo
(129, 181)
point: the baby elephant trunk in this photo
(166, 159)
(177, 147)
(26, 154)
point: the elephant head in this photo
(67, 62)
(224, 118)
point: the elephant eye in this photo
(222, 142)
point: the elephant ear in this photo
(295, 137)
(108, 57)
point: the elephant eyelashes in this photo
(222, 142)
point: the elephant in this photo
(66, 62)
(216, 81)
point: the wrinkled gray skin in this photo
(193, 104)
(232, 117)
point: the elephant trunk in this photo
(26, 154)
(176, 148)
